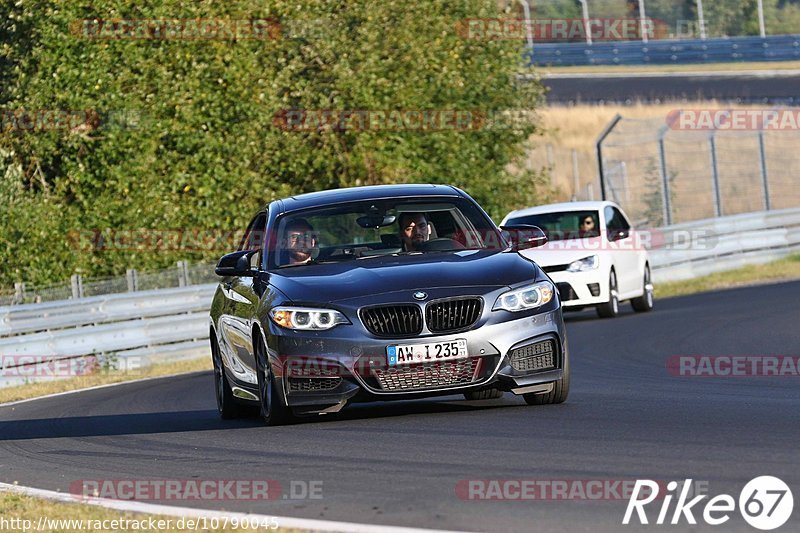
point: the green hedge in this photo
(182, 133)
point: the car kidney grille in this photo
(393, 320)
(533, 357)
(452, 315)
(427, 376)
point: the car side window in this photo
(255, 234)
(615, 220)
(616, 223)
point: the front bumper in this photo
(579, 289)
(323, 374)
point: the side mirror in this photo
(618, 235)
(524, 236)
(236, 264)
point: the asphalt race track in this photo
(771, 87)
(399, 464)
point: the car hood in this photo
(333, 282)
(564, 252)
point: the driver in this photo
(414, 230)
(588, 227)
(299, 241)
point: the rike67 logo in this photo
(765, 503)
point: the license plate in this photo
(405, 354)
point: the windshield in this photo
(361, 230)
(564, 225)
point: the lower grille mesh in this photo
(313, 384)
(537, 356)
(427, 376)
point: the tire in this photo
(610, 309)
(227, 406)
(644, 303)
(486, 394)
(559, 393)
(273, 410)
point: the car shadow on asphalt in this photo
(118, 424)
(208, 420)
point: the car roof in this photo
(371, 192)
(561, 207)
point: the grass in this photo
(34, 390)
(782, 270)
(16, 509)
(701, 67)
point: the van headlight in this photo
(525, 298)
(307, 318)
(585, 264)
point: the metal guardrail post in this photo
(77, 286)
(762, 152)
(665, 192)
(712, 144)
(133, 280)
(599, 145)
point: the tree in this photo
(182, 134)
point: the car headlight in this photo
(307, 318)
(582, 265)
(525, 298)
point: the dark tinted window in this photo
(361, 230)
(254, 237)
(564, 225)
(615, 220)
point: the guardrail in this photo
(172, 324)
(128, 330)
(665, 52)
(702, 247)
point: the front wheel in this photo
(644, 303)
(227, 406)
(610, 309)
(274, 410)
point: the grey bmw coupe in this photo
(382, 293)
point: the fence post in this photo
(551, 164)
(77, 286)
(133, 280)
(19, 293)
(182, 274)
(712, 144)
(575, 174)
(764, 173)
(599, 147)
(665, 192)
